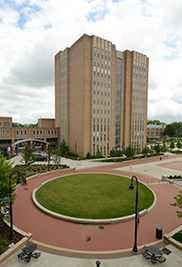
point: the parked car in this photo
(41, 158)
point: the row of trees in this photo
(5, 176)
(129, 152)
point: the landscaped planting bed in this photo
(33, 169)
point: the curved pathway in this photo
(113, 237)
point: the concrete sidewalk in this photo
(174, 259)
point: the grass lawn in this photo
(93, 196)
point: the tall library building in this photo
(101, 96)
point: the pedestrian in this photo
(24, 181)
(130, 166)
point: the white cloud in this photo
(33, 31)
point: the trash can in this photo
(159, 232)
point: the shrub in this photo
(70, 154)
(99, 154)
(12, 156)
(178, 237)
(1, 249)
(3, 242)
(88, 155)
(119, 153)
(175, 177)
(113, 152)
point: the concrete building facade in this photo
(101, 96)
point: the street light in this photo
(49, 158)
(10, 204)
(135, 249)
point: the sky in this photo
(32, 32)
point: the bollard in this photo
(98, 263)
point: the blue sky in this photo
(33, 31)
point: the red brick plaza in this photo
(114, 237)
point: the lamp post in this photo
(48, 158)
(10, 205)
(135, 249)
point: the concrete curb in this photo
(84, 254)
(88, 221)
(169, 238)
(82, 220)
(15, 247)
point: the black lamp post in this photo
(135, 249)
(10, 204)
(48, 159)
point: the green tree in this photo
(155, 122)
(98, 154)
(113, 152)
(157, 148)
(178, 127)
(129, 151)
(55, 155)
(34, 125)
(5, 176)
(64, 148)
(88, 156)
(28, 156)
(164, 147)
(170, 130)
(151, 151)
(178, 203)
(119, 153)
(145, 150)
(178, 144)
(172, 145)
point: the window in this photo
(25, 132)
(17, 132)
(48, 131)
(33, 131)
(40, 131)
(21, 132)
(37, 131)
(6, 124)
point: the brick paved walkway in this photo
(119, 236)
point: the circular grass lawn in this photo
(93, 196)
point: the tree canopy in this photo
(5, 176)
(155, 122)
(178, 127)
(64, 148)
(129, 151)
(178, 204)
(170, 130)
(28, 156)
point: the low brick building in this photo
(10, 133)
(155, 132)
